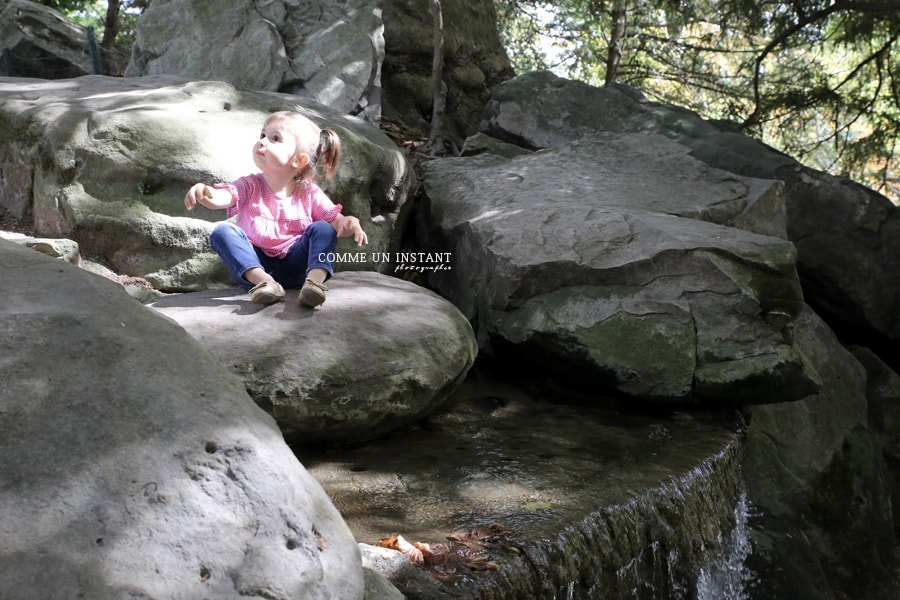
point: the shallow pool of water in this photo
(549, 472)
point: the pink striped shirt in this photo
(271, 223)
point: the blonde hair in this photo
(323, 146)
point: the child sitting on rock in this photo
(286, 229)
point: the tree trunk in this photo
(439, 97)
(111, 28)
(110, 32)
(616, 39)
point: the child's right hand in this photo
(197, 194)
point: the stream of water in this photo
(727, 576)
(524, 492)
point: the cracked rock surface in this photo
(621, 262)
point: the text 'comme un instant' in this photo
(405, 261)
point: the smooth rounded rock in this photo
(379, 354)
(115, 157)
(135, 466)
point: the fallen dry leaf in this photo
(462, 550)
(408, 550)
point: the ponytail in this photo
(328, 152)
(324, 152)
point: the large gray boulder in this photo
(135, 465)
(381, 353)
(328, 52)
(38, 41)
(106, 162)
(616, 262)
(847, 236)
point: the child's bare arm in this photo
(208, 196)
(347, 226)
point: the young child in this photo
(287, 228)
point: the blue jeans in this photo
(310, 251)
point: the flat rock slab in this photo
(380, 354)
(847, 236)
(642, 285)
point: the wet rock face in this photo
(883, 394)
(813, 472)
(622, 263)
(380, 354)
(135, 465)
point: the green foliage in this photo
(87, 14)
(93, 13)
(523, 34)
(63, 6)
(817, 79)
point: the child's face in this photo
(275, 152)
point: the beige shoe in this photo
(312, 294)
(267, 292)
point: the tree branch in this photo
(805, 20)
(439, 98)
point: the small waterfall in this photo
(592, 502)
(727, 577)
(684, 540)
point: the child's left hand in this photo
(347, 226)
(359, 236)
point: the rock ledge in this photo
(380, 354)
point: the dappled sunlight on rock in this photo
(380, 354)
(136, 465)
